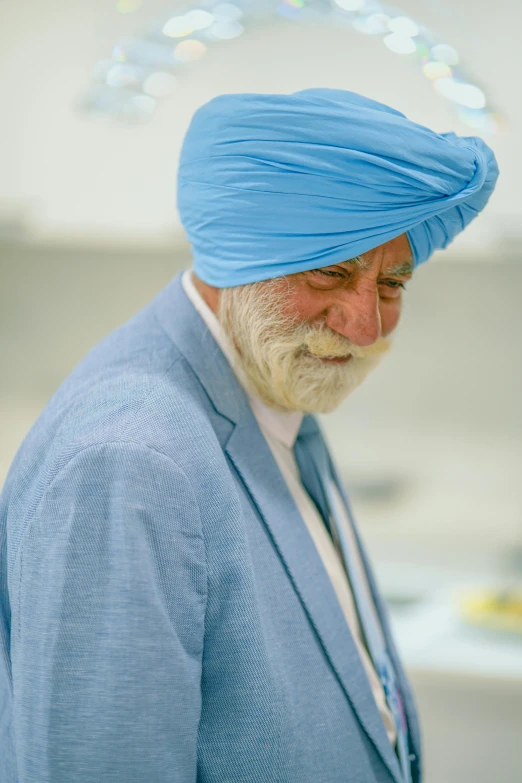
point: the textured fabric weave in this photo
(164, 614)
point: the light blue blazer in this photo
(164, 614)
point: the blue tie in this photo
(306, 442)
(314, 465)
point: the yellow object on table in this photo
(495, 609)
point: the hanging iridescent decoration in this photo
(144, 70)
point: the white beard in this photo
(279, 356)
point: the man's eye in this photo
(329, 272)
(394, 284)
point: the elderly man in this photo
(184, 594)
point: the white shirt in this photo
(280, 430)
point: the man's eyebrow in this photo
(401, 270)
(359, 263)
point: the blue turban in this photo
(270, 185)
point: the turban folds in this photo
(270, 185)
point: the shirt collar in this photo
(284, 426)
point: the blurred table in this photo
(467, 681)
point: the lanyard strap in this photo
(313, 462)
(373, 633)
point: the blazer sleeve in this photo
(107, 635)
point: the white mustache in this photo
(326, 344)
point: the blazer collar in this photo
(251, 456)
(187, 330)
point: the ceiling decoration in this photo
(145, 70)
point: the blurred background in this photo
(430, 447)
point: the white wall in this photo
(78, 177)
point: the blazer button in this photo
(412, 757)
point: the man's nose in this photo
(357, 316)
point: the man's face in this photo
(308, 340)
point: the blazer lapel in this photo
(255, 464)
(250, 454)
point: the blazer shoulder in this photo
(134, 385)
